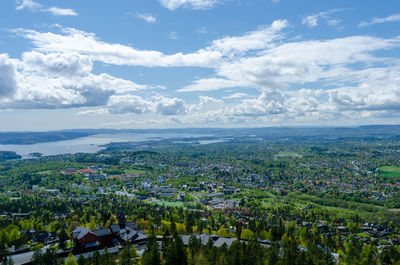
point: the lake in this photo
(90, 144)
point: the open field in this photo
(134, 171)
(390, 171)
(169, 204)
(45, 172)
(288, 154)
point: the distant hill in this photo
(8, 155)
(40, 137)
(370, 131)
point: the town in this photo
(220, 195)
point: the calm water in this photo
(89, 144)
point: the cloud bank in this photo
(289, 79)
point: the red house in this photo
(86, 171)
(84, 238)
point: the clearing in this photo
(390, 171)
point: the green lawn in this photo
(169, 204)
(288, 154)
(45, 172)
(390, 171)
(134, 171)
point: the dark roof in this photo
(265, 242)
(80, 232)
(203, 238)
(215, 236)
(220, 241)
(42, 236)
(115, 228)
(185, 239)
(140, 237)
(103, 232)
(128, 234)
(92, 244)
(121, 217)
(132, 225)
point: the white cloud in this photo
(391, 18)
(56, 80)
(255, 40)
(236, 95)
(58, 74)
(36, 7)
(128, 104)
(269, 102)
(56, 11)
(28, 4)
(205, 104)
(202, 30)
(334, 22)
(146, 17)
(125, 104)
(378, 90)
(76, 41)
(295, 63)
(8, 83)
(211, 84)
(192, 4)
(173, 35)
(118, 85)
(169, 106)
(58, 64)
(313, 20)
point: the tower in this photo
(121, 220)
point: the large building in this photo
(120, 233)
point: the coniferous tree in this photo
(63, 237)
(81, 260)
(128, 255)
(70, 260)
(151, 256)
(49, 257)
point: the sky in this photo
(68, 64)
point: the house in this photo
(87, 171)
(96, 177)
(222, 240)
(69, 171)
(166, 195)
(323, 228)
(229, 191)
(204, 238)
(104, 236)
(122, 232)
(45, 237)
(84, 238)
(146, 185)
(127, 235)
(141, 239)
(265, 242)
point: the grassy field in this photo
(288, 154)
(169, 204)
(390, 171)
(46, 172)
(134, 171)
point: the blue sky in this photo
(198, 63)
